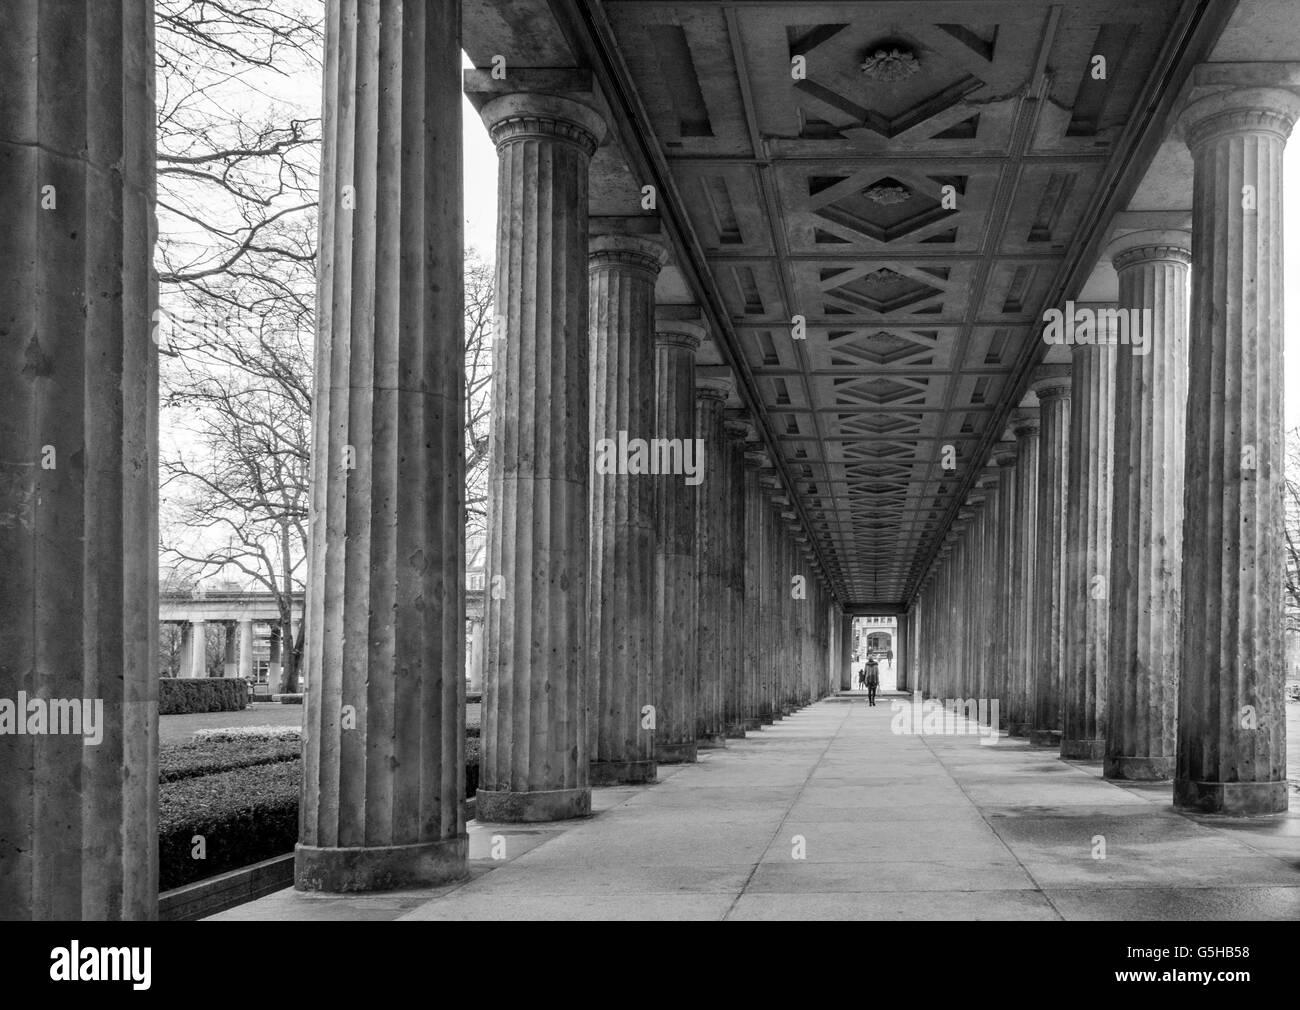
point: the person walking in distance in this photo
(873, 679)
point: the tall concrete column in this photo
(1147, 509)
(711, 393)
(1052, 384)
(1025, 427)
(535, 750)
(246, 650)
(384, 659)
(1003, 573)
(1087, 550)
(621, 578)
(78, 468)
(675, 629)
(1231, 750)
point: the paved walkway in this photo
(829, 814)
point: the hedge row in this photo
(190, 760)
(240, 817)
(244, 814)
(202, 694)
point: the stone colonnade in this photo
(1111, 642)
(382, 802)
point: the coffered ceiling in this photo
(821, 195)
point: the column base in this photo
(675, 753)
(1045, 737)
(711, 741)
(736, 731)
(1239, 799)
(1138, 769)
(621, 773)
(1083, 750)
(350, 869)
(753, 725)
(505, 806)
(1020, 729)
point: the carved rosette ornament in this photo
(888, 195)
(891, 65)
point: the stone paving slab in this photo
(829, 815)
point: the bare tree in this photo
(1291, 495)
(238, 171)
(480, 287)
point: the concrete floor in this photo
(830, 815)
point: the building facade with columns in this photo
(818, 248)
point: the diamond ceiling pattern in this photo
(913, 195)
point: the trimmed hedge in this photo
(241, 794)
(202, 694)
(244, 816)
(190, 760)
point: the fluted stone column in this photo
(1003, 575)
(675, 666)
(1087, 551)
(1231, 749)
(733, 558)
(535, 753)
(1147, 510)
(846, 652)
(621, 578)
(78, 467)
(1025, 425)
(751, 632)
(770, 589)
(246, 650)
(986, 586)
(1047, 656)
(710, 399)
(384, 722)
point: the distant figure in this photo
(872, 670)
(862, 677)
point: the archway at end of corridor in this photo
(876, 637)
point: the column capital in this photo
(713, 382)
(1025, 421)
(679, 333)
(1004, 454)
(529, 116)
(1235, 110)
(1168, 244)
(640, 252)
(1051, 381)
